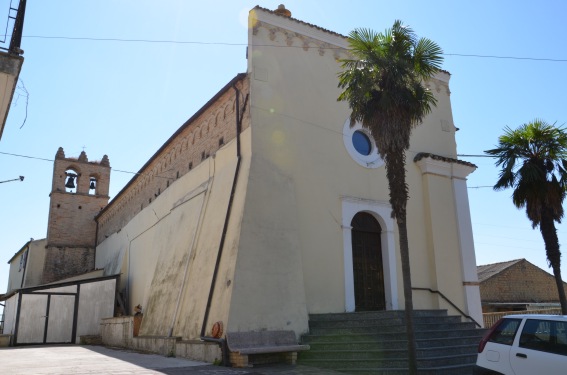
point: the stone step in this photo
(375, 342)
(432, 362)
(392, 344)
(389, 336)
(383, 322)
(365, 315)
(382, 353)
(440, 370)
(368, 327)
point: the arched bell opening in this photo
(93, 184)
(71, 180)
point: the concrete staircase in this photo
(375, 343)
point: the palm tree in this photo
(534, 163)
(383, 84)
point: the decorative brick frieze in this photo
(195, 141)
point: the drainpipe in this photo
(222, 342)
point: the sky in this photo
(125, 99)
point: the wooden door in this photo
(369, 294)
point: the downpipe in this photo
(220, 341)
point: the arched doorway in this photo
(368, 271)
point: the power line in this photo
(52, 160)
(505, 57)
(157, 41)
(135, 40)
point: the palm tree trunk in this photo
(549, 234)
(406, 276)
(396, 173)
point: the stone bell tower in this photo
(79, 191)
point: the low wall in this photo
(5, 340)
(199, 351)
(122, 332)
(118, 331)
(156, 344)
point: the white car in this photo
(524, 345)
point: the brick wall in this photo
(71, 215)
(196, 140)
(71, 228)
(522, 282)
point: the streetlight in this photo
(21, 178)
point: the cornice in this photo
(296, 28)
(443, 166)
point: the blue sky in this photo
(124, 99)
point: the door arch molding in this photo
(382, 213)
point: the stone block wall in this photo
(63, 262)
(522, 282)
(199, 138)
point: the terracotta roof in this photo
(486, 271)
(422, 155)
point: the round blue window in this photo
(361, 143)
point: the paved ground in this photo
(98, 360)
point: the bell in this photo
(92, 185)
(70, 182)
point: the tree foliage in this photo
(384, 85)
(533, 162)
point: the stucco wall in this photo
(96, 302)
(301, 170)
(10, 315)
(16, 275)
(36, 260)
(29, 272)
(168, 251)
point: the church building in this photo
(267, 206)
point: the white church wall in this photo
(167, 252)
(302, 167)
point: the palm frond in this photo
(533, 161)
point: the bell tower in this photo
(79, 191)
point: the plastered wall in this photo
(301, 171)
(167, 252)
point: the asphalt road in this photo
(98, 360)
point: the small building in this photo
(55, 294)
(516, 285)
